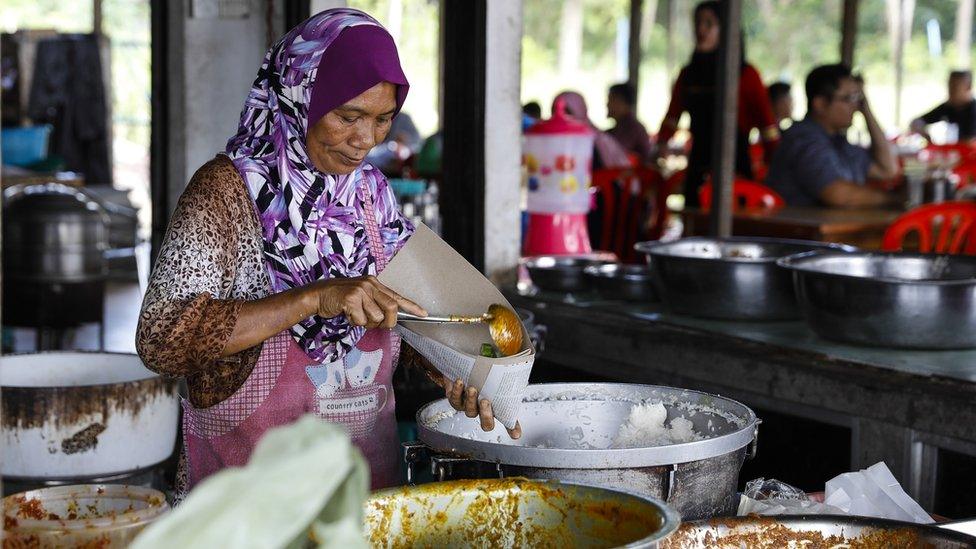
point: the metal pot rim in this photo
(155, 500)
(53, 188)
(658, 249)
(615, 458)
(152, 377)
(618, 271)
(578, 260)
(845, 520)
(796, 263)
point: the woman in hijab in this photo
(264, 296)
(694, 92)
(607, 153)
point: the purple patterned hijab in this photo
(312, 223)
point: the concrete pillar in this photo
(206, 71)
(222, 57)
(503, 146)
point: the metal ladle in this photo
(503, 324)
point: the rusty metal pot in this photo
(515, 513)
(71, 416)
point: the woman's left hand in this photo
(465, 399)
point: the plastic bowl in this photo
(24, 146)
(83, 515)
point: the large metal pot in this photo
(899, 300)
(568, 428)
(814, 531)
(75, 416)
(53, 233)
(54, 268)
(727, 278)
(515, 513)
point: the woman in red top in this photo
(694, 92)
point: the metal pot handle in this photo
(415, 453)
(441, 467)
(668, 489)
(754, 445)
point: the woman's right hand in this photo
(363, 300)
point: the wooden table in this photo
(862, 228)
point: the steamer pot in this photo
(567, 429)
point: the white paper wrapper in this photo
(428, 271)
(874, 492)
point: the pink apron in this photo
(355, 392)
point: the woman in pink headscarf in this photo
(264, 296)
(607, 153)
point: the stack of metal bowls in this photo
(900, 300)
(562, 273)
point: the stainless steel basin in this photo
(900, 300)
(561, 273)
(730, 278)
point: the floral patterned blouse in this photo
(210, 263)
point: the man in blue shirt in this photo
(815, 165)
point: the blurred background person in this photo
(628, 131)
(531, 113)
(400, 144)
(694, 93)
(959, 110)
(815, 165)
(607, 152)
(781, 101)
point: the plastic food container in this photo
(558, 156)
(84, 515)
(24, 146)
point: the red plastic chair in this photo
(967, 173)
(966, 151)
(745, 194)
(676, 181)
(946, 228)
(627, 200)
(757, 158)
